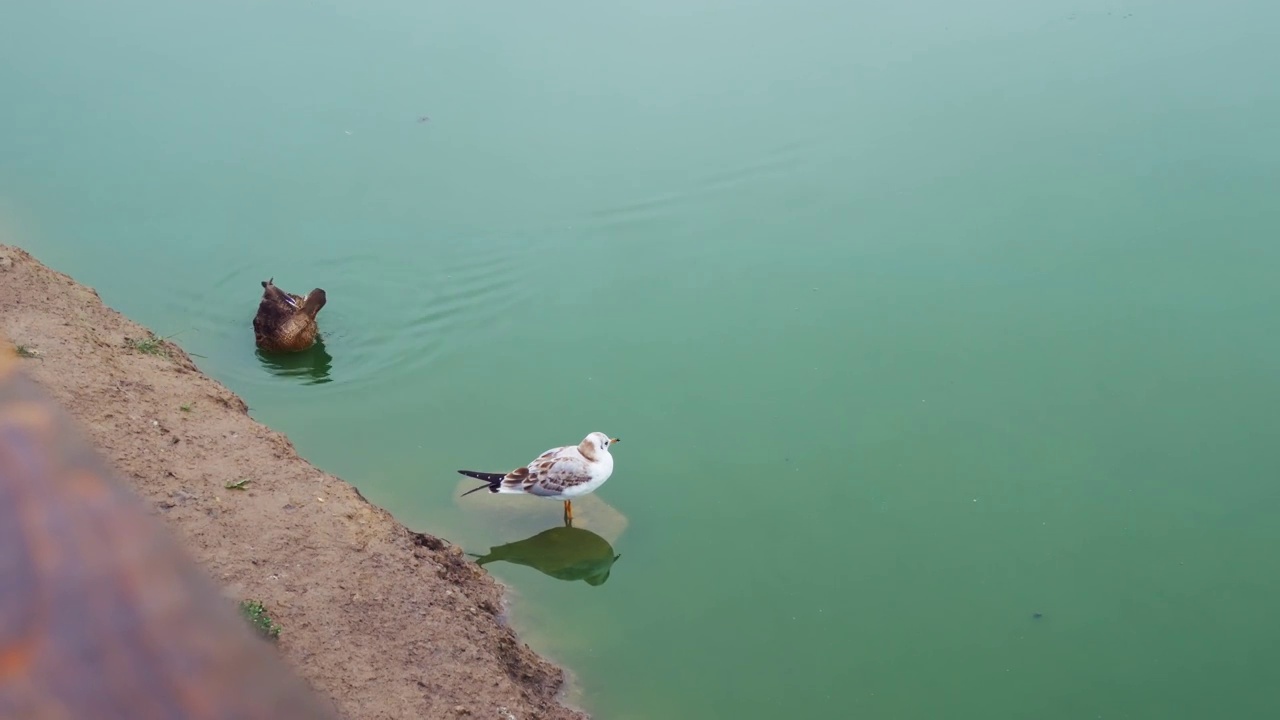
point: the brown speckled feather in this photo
(553, 472)
(286, 322)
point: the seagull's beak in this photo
(616, 440)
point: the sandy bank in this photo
(386, 622)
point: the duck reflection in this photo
(565, 553)
(311, 366)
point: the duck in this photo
(286, 322)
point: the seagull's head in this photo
(596, 444)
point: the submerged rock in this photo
(524, 515)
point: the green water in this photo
(916, 319)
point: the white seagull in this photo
(560, 473)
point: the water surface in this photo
(915, 320)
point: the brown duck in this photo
(286, 322)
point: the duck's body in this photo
(286, 322)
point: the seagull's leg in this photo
(568, 512)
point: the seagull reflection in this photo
(311, 366)
(564, 553)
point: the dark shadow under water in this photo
(311, 366)
(565, 553)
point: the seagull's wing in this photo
(552, 472)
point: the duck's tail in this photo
(493, 481)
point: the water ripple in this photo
(385, 319)
(783, 161)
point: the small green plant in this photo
(257, 616)
(152, 344)
(26, 352)
(185, 408)
(238, 484)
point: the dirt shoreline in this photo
(386, 622)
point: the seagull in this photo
(560, 473)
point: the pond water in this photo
(941, 337)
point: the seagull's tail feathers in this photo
(493, 481)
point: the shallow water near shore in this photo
(915, 322)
